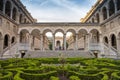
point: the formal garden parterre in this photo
(60, 69)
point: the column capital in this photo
(64, 33)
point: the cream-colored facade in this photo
(98, 32)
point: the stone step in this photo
(56, 54)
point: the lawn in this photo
(60, 69)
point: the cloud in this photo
(58, 10)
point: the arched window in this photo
(14, 13)
(13, 40)
(106, 40)
(93, 20)
(20, 19)
(97, 18)
(1, 5)
(8, 8)
(6, 41)
(111, 8)
(113, 41)
(104, 11)
(118, 4)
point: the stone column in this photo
(101, 16)
(109, 45)
(1, 47)
(30, 41)
(41, 41)
(64, 41)
(4, 1)
(107, 7)
(118, 44)
(87, 42)
(76, 42)
(11, 12)
(18, 17)
(115, 3)
(53, 44)
(101, 43)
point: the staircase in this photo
(11, 52)
(57, 54)
(105, 51)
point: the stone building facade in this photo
(98, 32)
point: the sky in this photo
(58, 10)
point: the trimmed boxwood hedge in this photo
(52, 69)
(6, 75)
(44, 76)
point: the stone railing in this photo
(23, 46)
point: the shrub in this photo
(6, 75)
(115, 76)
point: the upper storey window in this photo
(20, 18)
(93, 21)
(111, 8)
(1, 5)
(97, 18)
(14, 13)
(104, 11)
(8, 8)
(118, 4)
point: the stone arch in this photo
(82, 32)
(118, 5)
(13, 40)
(97, 17)
(14, 16)
(72, 31)
(111, 7)
(6, 41)
(35, 31)
(1, 5)
(113, 41)
(46, 30)
(8, 8)
(105, 39)
(94, 35)
(104, 12)
(24, 36)
(59, 30)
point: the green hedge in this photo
(44, 76)
(5, 75)
(115, 76)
